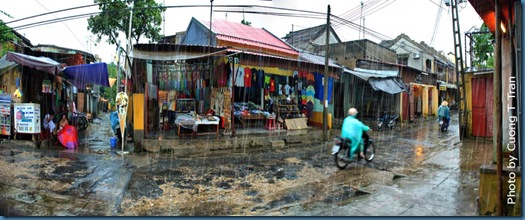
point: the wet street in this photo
(418, 171)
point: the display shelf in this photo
(185, 105)
(286, 109)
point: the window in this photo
(428, 66)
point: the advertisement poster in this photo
(27, 118)
(5, 114)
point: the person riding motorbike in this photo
(444, 113)
(353, 129)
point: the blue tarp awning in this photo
(81, 75)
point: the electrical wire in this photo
(303, 14)
(48, 13)
(436, 25)
(356, 13)
(73, 33)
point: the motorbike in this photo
(79, 120)
(443, 124)
(387, 121)
(341, 151)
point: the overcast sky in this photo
(416, 18)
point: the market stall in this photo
(191, 121)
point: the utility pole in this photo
(325, 77)
(360, 20)
(363, 28)
(164, 19)
(498, 137)
(211, 16)
(460, 71)
(118, 66)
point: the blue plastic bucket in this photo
(113, 141)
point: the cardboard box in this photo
(295, 123)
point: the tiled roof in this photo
(248, 35)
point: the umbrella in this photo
(68, 136)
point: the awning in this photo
(448, 85)
(81, 75)
(40, 63)
(171, 55)
(319, 60)
(6, 65)
(385, 82)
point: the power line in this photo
(379, 7)
(356, 12)
(73, 33)
(48, 13)
(436, 24)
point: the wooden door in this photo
(489, 102)
(478, 107)
(405, 106)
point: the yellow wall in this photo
(424, 98)
(401, 107)
(488, 193)
(435, 100)
(317, 119)
(468, 88)
(138, 111)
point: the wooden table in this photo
(189, 122)
(245, 118)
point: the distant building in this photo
(309, 38)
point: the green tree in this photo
(483, 49)
(6, 36)
(111, 92)
(114, 20)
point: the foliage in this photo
(6, 36)
(245, 22)
(114, 19)
(483, 49)
(111, 92)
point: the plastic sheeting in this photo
(81, 75)
(40, 63)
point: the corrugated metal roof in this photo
(320, 60)
(260, 54)
(249, 35)
(256, 44)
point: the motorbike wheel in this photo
(392, 125)
(380, 125)
(341, 158)
(370, 152)
(82, 123)
(443, 127)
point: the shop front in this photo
(425, 100)
(226, 90)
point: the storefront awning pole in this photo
(325, 77)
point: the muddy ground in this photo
(266, 181)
